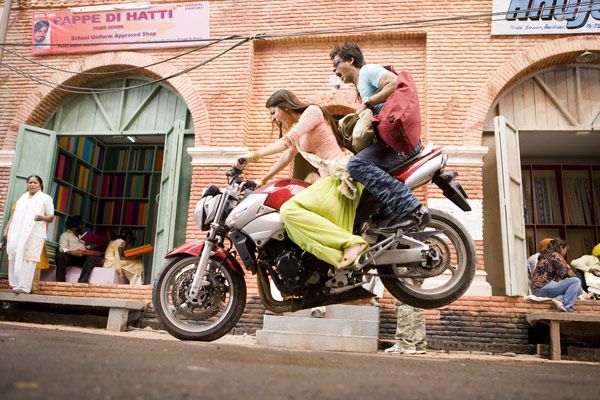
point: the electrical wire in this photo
(361, 28)
(349, 29)
(84, 90)
(120, 71)
(456, 20)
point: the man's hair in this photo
(348, 50)
(40, 24)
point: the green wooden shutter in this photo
(169, 185)
(514, 249)
(35, 155)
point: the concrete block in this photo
(342, 311)
(117, 319)
(324, 326)
(304, 341)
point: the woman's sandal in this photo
(351, 254)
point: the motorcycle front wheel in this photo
(214, 313)
(457, 268)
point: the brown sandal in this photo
(351, 254)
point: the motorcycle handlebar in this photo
(236, 171)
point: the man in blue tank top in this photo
(372, 165)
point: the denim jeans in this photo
(569, 288)
(371, 167)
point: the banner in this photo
(178, 25)
(545, 17)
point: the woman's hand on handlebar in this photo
(243, 161)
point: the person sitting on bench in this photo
(71, 252)
(132, 268)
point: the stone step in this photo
(323, 326)
(319, 342)
(347, 312)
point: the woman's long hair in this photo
(284, 98)
(555, 246)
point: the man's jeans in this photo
(570, 288)
(371, 167)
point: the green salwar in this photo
(320, 220)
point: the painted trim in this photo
(6, 158)
(478, 287)
(215, 155)
(465, 156)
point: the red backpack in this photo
(398, 124)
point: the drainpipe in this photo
(4, 24)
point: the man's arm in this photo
(387, 84)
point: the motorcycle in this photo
(201, 292)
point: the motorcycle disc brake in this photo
(210, 298)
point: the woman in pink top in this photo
(320, 218)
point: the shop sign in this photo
(545, 17)
(177, 25)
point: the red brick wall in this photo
(459, 68)
(493, 324)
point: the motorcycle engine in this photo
(288, 264)
(287, 268)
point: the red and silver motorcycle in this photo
(201, 292)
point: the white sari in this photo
(26, 237)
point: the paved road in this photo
(41, 363)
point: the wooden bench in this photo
(554, 319)
(117, 314)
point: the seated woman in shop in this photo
(553, 278)
(132, 268)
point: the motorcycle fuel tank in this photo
(281, 191)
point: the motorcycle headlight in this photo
(205, 211)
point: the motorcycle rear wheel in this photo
(220, 305)
(457, 245)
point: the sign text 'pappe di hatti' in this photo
(164, 25)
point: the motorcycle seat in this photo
(424, 151)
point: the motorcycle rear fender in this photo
(194, 249)
(452, 189)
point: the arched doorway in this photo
(116, 158)
(547, 182)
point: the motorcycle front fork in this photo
(199, 277)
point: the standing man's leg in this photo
(419, 330)
(405, 330)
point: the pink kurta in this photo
(312, 133)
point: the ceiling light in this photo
(132, 139)
(587, 57)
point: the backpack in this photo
(398, 124)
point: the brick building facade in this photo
(461, 71)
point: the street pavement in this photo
(57, 362)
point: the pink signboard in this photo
(161, 26)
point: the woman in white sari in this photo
(26, 234)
